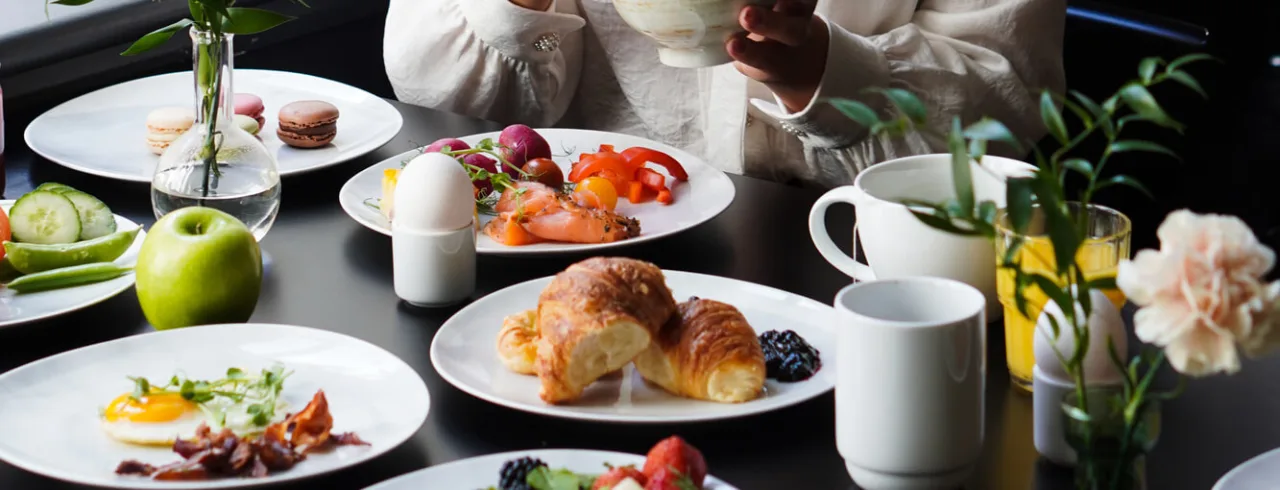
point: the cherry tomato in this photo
(545, 171)
(602, 188)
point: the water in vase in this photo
(250, 193)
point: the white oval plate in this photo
(707, 193)
(1262, 472)
(17, 309)
(482, 471)
(104, 132)
(464, 353)
(49, 408)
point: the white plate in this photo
(482, 471)
(104, 132)
(707, 193)
(49, 408)
(16, 309)
(1260, 473)
(464, 353)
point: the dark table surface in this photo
(331, 273)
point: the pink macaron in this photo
(250, 105)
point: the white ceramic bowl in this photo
(690, 33)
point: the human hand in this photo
(540, 5)
(784, 48)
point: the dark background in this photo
(1230, 148)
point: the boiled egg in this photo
(433, 193)
(156, 419)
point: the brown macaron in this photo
(307, 124)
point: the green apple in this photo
(198, 266)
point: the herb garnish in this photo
(544, 478)
(263, 391)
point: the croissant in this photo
(593, 319)
(518, 342)
(706, 352)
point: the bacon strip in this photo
(281, 446)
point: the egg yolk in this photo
(152, 408)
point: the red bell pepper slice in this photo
(664, 196)
(651, 180)
(594, 163)
(638, 156)
(636, 192)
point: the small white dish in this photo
(464, 353)
(103, 132)
(1262, 472)
(49, 408)
(482, 471)
(17, 309)
(707, 193)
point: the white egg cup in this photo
(1050, 435)
(433, 268)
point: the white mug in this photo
(895, 242)
(911, 370)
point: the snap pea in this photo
(67, 277)
(31, 258)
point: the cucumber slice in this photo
(44, 217)
(96, 219)
(54, 186)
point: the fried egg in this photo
(159, 419)
(154, 420)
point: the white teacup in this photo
(910, 378)
(690, 33)
(895, 242)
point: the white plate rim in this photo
(124, 285)
(544, 454)
(558, 412)
(285, 477)
(1270, 455)
(380, 141)
(559, 249)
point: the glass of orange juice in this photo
(1107, 243)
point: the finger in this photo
(766, 59)
(798, 8)
(783, 28)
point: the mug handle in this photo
(822, 240)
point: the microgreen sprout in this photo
(236, 386)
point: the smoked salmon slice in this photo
(547, 215)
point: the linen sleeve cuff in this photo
(853, 64)
(517, 32)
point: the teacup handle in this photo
(821, 239)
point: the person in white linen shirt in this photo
(575, 63)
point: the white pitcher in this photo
(896, 243)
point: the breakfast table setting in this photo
(282, 280)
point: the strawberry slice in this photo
(674, 455)
(616, 475)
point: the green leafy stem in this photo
(1045, 192)
(237, 386)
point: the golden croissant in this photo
(708, 352)
(518, 342)
(594, 318)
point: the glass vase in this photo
(215, 163)
(1110, 449)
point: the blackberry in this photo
(787, 357)
(515, 473)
